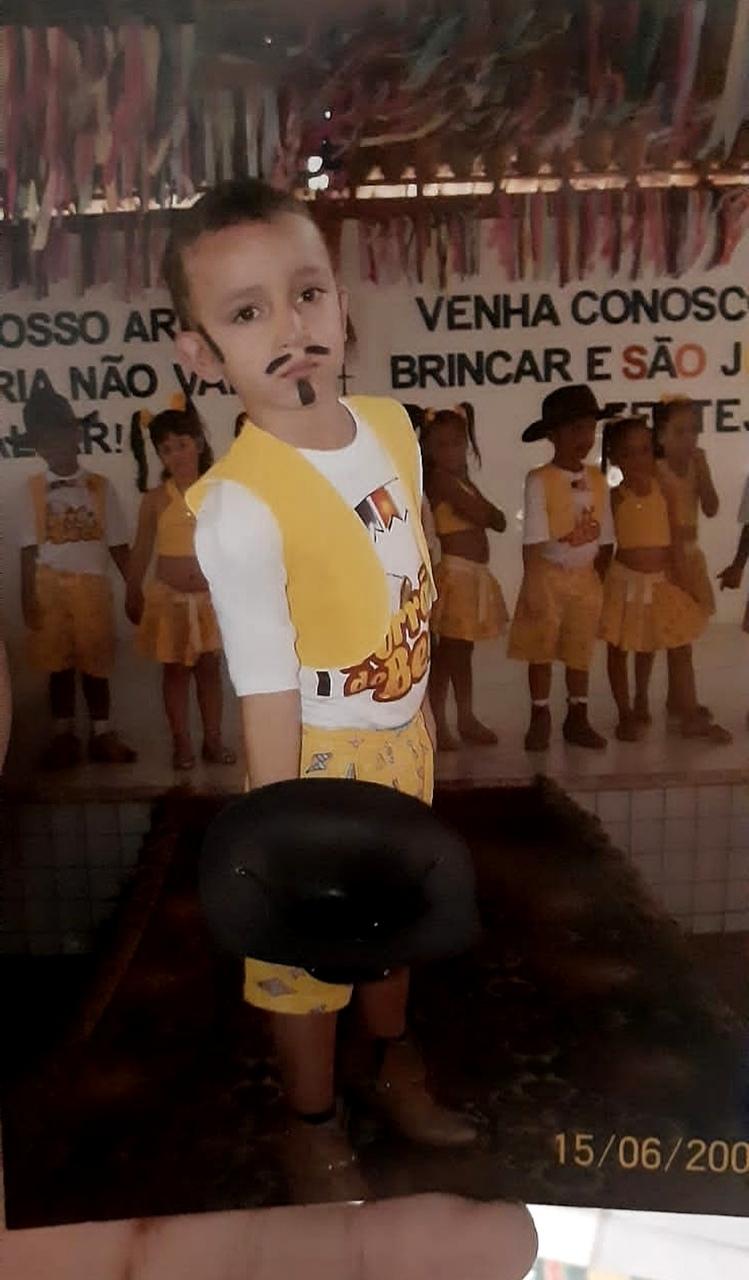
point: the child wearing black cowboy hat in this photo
(568, 537)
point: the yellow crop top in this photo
(448, 520)
(686, 502)
(175, 530)
(641, 521)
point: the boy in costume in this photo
(309, 533)
(71, 525)
(568, 537)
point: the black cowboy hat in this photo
(347, 880)
(47, 408)
(566, 404)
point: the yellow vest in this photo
(560, 507)
(336, 587)
(96, 486)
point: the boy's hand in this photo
(134, 605)
(730, 578)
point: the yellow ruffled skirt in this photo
(698, 578)
(470, 605)
(177, 626)
(645, 612)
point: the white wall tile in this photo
(105, 884)
(737, 895)
(709, 896)
(69, 851)
(707, 923)
(75, 916)
(681, 802)
(37, 851)
(647, 836)
(678, 864)
(103, 851)
(34, 819)
(713, 832)
(72, 882)
(679, 834)
(67, 820)
(45, 944)
(738, 864)
(711, 864)
(737, 920)
(650, 867)
(618, 833)
(712, 800)
(647, 804)
(136, 818)
(613, 806)
(101, 819)
(43, 915)
(739, 831)
(677, 898)
(740, 798)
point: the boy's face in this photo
(265, 293)
(59, 447)
(574, 440)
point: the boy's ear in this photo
(196, 354)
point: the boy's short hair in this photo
(45, 411)
(228, 204)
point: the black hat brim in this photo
(287, 873)
(539, 429)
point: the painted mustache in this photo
(280, 361)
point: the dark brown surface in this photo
(583, 1009)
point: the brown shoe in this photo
(578, 731)
(630, 728)
(108, 748)
(400, 1095)
(320, 1163)
(63, 752)
(539, 730)
(472, 730)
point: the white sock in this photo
(540, 702)
(99, 726)
(63, 726)
(578, 702)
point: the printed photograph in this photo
(374, 412)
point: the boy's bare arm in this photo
(121, 557)
(732, 575)
(272, 728)
(29, 604)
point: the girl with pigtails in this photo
(176, 623)
(470, 605)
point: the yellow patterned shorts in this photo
(644, 612)
(470, 605)
(77, 623)
(399, 758)
(177, 626)
(564, 629)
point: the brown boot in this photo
(320, 1163)
(472, 730)
(400, 1095)
(577, 730)
(108, 748)
(539, 729)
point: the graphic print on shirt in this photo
(68, 519)
(587, 529)
(402, 660)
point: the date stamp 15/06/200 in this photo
(651, 1155)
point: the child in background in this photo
(730, 578)
(646, 605)
(684, 474)
(175, 619)
(72, 524)
(567, 544)
(470, 606)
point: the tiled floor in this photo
(722, 661)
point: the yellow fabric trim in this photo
(175, 528)
(337, 591)
(559, 503)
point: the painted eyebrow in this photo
(249, 292)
